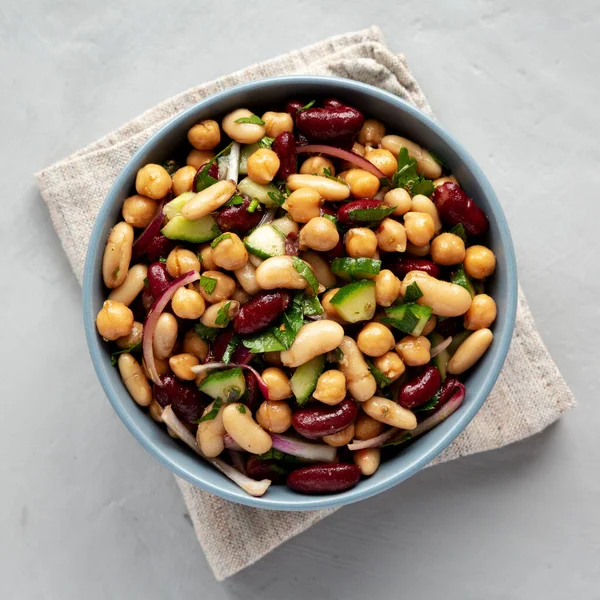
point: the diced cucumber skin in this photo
(440, 362)
(222, 383)
(265, 242)
(423, 318)
(304, 380)
(258, 191)
(201, 230)
(459, 277)
(245, 153)
(173, 208)
(356, 301)
(347, 268)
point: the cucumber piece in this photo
(355, 268)
(245, 153)
(285, 225)
(258, 191)
(457, 340)
(304, 379)
(459, 277)
(200, 230)
(228, 385)
(173, 208)
(440, 362)
(265, 242)
(410, 318)
(356, 301)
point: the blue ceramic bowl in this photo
(402, 119)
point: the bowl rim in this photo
(453, 426)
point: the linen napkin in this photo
(530, 393)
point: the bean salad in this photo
(297, 295)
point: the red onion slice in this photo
(320, 452)
(267, 217)
(355, 159)
(373, 442)
(440, 347)
(152, 319)
(141, 244)
(251, 486)
(220, 365)
(233, 162)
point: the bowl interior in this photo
(402, 119)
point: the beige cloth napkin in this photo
(529, 395)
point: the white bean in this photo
(312, 340)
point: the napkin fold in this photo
(529, 395)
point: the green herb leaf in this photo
(460, 231)
(170, 166)
(114, 357)
(204, 180)
(235, 201)
(211, 415)
(254, 120)
(339, 354)
(280, 456)
(306, 106)
(371, 214)
(305, 271)
(399, 440)
(331, 218)
(407, 177)
(208, 284)
(253, 206)
(230, 349)
(422, 186)
(380, 378)
(438, 160)
(277, 197)
(266, 142)
(223, 317)
(241, 409)
(146, 282)
(265, 341)
(327, 172)
(311, 306)
(413, 293)
(162, 260)
(409, 318)
(223, 236)
(292, 320)
(431, 404)
(206, 333)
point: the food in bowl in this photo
(303, 294)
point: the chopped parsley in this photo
(304, 270)
(114, 357)
(253, 206)
(223, 317)
(327, 173)
(208, 284)
(211, 415)
(222, 237)
(203, 179)
(460, 231)
(230, 349)
(241, 409)
(407, 177)
(306, 106)
(235, 201)
(266, 142)
(277, 197)
(205, 332)
(253, 120)
(380, 378)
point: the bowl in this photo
(404, 120)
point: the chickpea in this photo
(183, 180)
(205, 135)
(114, 320)
(193, 344)
(132, 338)
(224, 286)
(206, 258)
(391, 236)
(277, 122)
(480, 262)
(244, 133)
(165, 335)
(317, 165)
(390, 365)
(278, 383)
(481, 314)
(263, 165)
(413, 250)
(400, 199)
(414, 351)
(331, 387)
(341, 438)
(229, 252)
(371, 133)
(360, 242)
(275, 417)
(117, 255)
(362, 183)
(421, 203)
(273, 359)
(153, 181)
(138, 210)
(441, 180)
(181, 261)
(419, 227)
(329, 309)
(188, 304)
(375, 339)
(447, 249)
(384, 160)
(218, 315)
(366, 427)
(181, 365)
(387, 288)
(240, 294)
(161, 364)
(320, 234)
(303, 205)
(367, 460)
(198, 158)
(430, 325)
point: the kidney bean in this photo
(285, 148)
(159, 247)
(420, 389)
(253, 396)
(187, 400)
(302, 140)
(260, 311)
(318, 421)
(292, 106)
(326, 124)
(319, 479)
(241, 355)
(292, 245)
(449, 326)
(237, 218)
(402, 266)
(454, 207)
(158, 279)
(338, 250)
(327, 210)
(333, 103)
(213, 171)
(448, 389)
(220, 345)
(345, 212)
(265, 469)
(147, 300)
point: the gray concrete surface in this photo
(85, 513)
